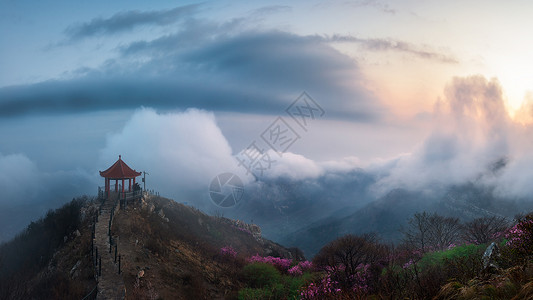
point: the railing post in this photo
(116, 253)
(96, 256)
(119, 264)
(100, 267)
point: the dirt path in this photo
(110, 283)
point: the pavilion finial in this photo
(119, 156)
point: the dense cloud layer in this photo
(218, 67)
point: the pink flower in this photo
(295, 271)
(228, 251)
(281, 264)
(326, 287)
(305, 265)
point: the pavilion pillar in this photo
(122, 185)
(116, 185)
(129, 180)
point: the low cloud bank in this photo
(28, 192)
(473, 140)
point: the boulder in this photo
(491, 255)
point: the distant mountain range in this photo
(309, 214)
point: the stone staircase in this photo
(110, 283)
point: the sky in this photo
(418, 93)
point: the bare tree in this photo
(443, 231)
(417, 232)
(345, 254)
(484, 230)
(431, 231)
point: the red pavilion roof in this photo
(119, 170)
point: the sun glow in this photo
(516, 80)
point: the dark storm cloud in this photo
(128, 20)
(377, 44)
(259, 72)
(89, 95)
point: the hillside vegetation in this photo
(50, 259)
(168, 251)
(173, 251)
(184, 253)
(439, 259)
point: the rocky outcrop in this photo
(490, 257)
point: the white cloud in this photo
(293, 165)
(182, 152)
(472, 133)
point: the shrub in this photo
(520, 236)
(325, 288)
(281, 264)
(462, 262)
(293, 285)
(264, 281)
(274, 292)
(458, 252)
(305, 265)
(260, 275)
(346, 258)
(295, 271)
